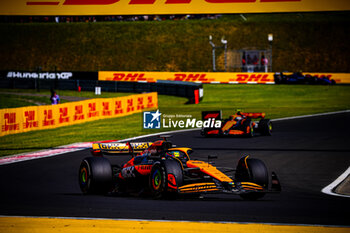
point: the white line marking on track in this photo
(45, 153)
(329, 189)
(310, 115)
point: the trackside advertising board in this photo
(18, 120)
(141, 7)
(208, 77)
(198, 77)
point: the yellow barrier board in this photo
(208, 77)
(71, 225)
(198, 77)
(340, 78)
(24, 119)
(141, 7)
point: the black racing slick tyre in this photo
(248, 128)
(265, 127)
(95, 175)
(165, 178)
(256, 173)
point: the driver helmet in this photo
(173, 154)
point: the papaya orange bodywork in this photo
(209, 170)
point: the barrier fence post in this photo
(196, 96)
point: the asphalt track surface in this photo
(307, 154)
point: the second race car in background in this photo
(239, 124)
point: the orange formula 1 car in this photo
(239, 124)
(162, 170)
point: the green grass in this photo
(14, 100)
(86, 94)
(312, 42)
(276, 100)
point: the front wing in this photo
(230, 188)
(239, 188)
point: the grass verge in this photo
(276, 100)
(312, 42)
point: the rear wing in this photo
(119, 148)
(254, 114)
(217, 115)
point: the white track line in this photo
(311, 115)
(329, 189)
(45, 153)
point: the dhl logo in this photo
(132, 77)
(204, 77)
(329, 76)
(207, 78)
(252, 78)
(146, 2)
(191, 77)
(156, 7)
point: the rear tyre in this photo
(95, 175)
(165, 178)
(265, 127)
(256, 173)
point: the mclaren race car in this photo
(239, 124)
(164, 171)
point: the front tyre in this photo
(95, 175)
(165, 178)
(256, 173)
(158, 181)
(265, 127)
